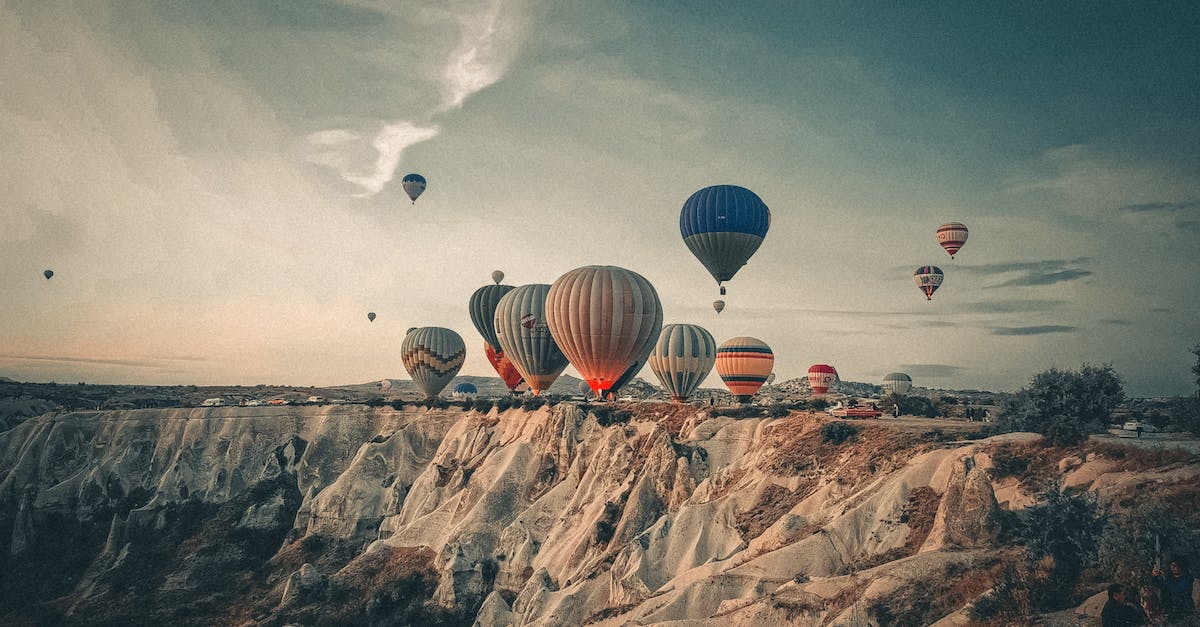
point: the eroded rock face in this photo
(546, 517)
(968, 516)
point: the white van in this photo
(213, 402)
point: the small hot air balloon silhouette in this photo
(719, 305)
(413, 185)
(723, 225)
(928, 280)
(497, 276)
(744, 364)
(897, 383)
(48, 274)
(371, 316)
(952, 236)
(821, 377)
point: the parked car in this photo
(1133, 425)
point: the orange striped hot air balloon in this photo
(505, 368)
(605, 319)
(952, 236)
(821, 377)
(744, 364)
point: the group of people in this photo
(1167, 601)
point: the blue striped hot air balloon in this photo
(723, 226)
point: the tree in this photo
(1064, 405)
(1191, 410)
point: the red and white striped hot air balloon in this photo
(821, 377)
(952, 236)
(744, 364)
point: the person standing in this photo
(1176, 586)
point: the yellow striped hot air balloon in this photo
(605, 319)
(744, 364)
(432, 356)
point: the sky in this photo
(217, 184)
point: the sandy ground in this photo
(1151, 440)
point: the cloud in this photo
(489, 35)
(1116, 322)
(1169, 207)
(931, 371)
(1048, 278)
(1034, 330)
(1009, 306)
(1045, 272)
(157, 363)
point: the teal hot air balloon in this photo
(605, 319)
(370, 316)
(723, 226)
(682, 357)
(413, 185)
(525, 338)
(482, 308)
(48, 274)
(432, 356)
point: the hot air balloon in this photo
(585, 389)
(482, 307)
(410, 330)
(928, 279)
(682, 357)
(770, 378)
(821, 377)
(48, 274)
(525, 337)
(604, 319)
(464, 391)
(744, 364)
(413, 185)
(952, 236)
(497, 276)
(723, 225)
(432, 356)
(719, 305)
(385, 385)
(371, 316)
(505, 368)
(897, 383)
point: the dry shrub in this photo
(774, 502)
(918, 514)
(1136, 458)
(926, 601)
(1032, 464)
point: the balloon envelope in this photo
(371, 316)
(719, 305)
(605, 319)
(952, 236)
(744, 364)
(682, 357)
(821, 377)
(432, 356)
(464, 390)
(385, 385)
(505, 368)
(48, 274)
(497, 276)
(413, 185)
(482, 307)
(897, 383)
(525, 336)
(723, 226)
(928, 280)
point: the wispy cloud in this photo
(157, 362)
(931, 371)
(1009, 306)
(489, 35)
(1044, 272)
(1034, 330)
(1117, 322)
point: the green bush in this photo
(482, 405)
(837, 432)
(1064, 405)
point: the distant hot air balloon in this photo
(719, 305)
(770, 378)
(464, 391)
(371, 316)
(482, 308)
(525, 337)
(385, 385)
(928, 279)
(48, 274)
(505, 368)
(413, 185)
(952, 236)
(497, 276)
(723, 226)
(744, 364)
(682, 357)
(432, 356)
(585, 389)
(605, 319)
(821, 377)
(897, 383)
